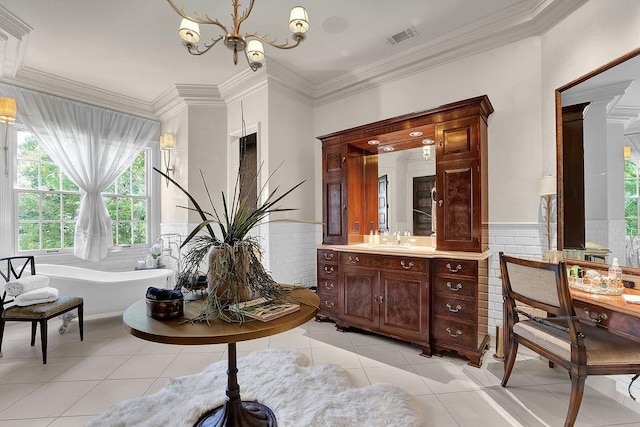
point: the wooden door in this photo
(404, 305)
(383, 205)
(422, 219)
(359, 297)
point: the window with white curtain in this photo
(47, 201)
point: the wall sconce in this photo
(627, 152)
(167, 143)
(8, 111)
(546, 190)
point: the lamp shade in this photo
(547, 186)
(167, 141)
(627, 151)
(8, 110)
(255, 51)
(299, 20)
(189, 31)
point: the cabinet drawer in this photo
(594, 315)
(456, 267)
(454, 333)
(328, 304)
(408, 264)
(455, 286)
(357, 260)
(455, 308)
(327, 287)
(328, 271)
(326, 256)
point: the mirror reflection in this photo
(405, 182)
(599, 156)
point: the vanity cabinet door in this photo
(359, 299)
(404, 305)
(334, 194)
(461, 181)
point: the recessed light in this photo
(428, 141)
(415, 133)
(388, 148)
(373, 142)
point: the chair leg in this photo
(43, 339)
(577, 389)
(1, 332)
(34, 324)
(80, 321)
(509, 361)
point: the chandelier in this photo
(249, 43)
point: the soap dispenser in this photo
(615, 273)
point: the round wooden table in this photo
(234, 412)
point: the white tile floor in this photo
(82, 379)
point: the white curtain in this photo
(93, 146)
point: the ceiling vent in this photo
(402, 36)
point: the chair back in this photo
(540, 285)
(13, 267)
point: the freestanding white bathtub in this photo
(104, 291)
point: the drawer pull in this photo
(457, 287)
(328, 270)
(379, 298)
(329, 303)
(597, 318)
(407, 266)
(354, 260)
(328, 285)
(328, 256)
(456, 334)
(454, 310)
(454, 270)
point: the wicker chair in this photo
(13, 268)
(582, 349)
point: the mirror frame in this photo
(559, 157)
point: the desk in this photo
(610, 312)
(234, 412)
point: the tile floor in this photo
(81, 379)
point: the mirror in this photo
(598, 148)
(410, 176)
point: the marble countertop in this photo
(413, 251)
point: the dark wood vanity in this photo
(435, 298)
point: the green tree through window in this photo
(631, 195)
(48, 201)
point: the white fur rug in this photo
(299, 394)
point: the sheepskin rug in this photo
(299, 394)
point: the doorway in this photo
(422, 186)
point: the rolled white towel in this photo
(37, 296)
(26, 284)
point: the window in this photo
(48, 201)
(631, 196)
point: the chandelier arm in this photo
(274, 43)
(195, 18)
(194, 49)
(237, 21)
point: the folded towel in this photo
(26, 284)
(162, 294)
(37, 296)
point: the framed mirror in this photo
(598, 164)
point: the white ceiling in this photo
(131, 47)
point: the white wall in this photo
(510, 76)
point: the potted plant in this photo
(235, 273)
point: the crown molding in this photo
(242, 85)
(512, 24)
(181, 96)
(33, 79)
(286, 81)
(598, 94)
(14, 35)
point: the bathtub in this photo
(104, 291)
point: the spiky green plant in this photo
(236, 265)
